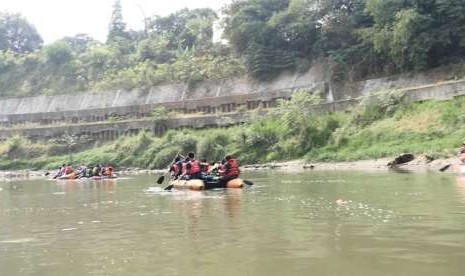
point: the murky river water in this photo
(306, 224)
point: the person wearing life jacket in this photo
(90, 171)
(108, 171)
(68, 169)
(204, 167)
(81, 171)
(96, 170)
(176, 168)
(230, 171)
(183, 174)
(231, 168)
(193, 170)
(60, 172)
(221, 170)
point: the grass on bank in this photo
(382, 126)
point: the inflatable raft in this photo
(72, 176)
(200, 185)
(104, 177)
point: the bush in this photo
(212, 145)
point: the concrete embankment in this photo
(106, 116)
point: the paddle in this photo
(443, 169)
(169, 187)
(161, 179)
(248, 182)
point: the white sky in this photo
(55, 19)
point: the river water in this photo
(316, 223)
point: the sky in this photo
(55, 19)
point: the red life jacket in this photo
(108, 171)
(233, 170)
(195, 167)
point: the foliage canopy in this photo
(359, 38)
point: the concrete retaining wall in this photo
(83, 114)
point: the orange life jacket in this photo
(232, 169)
(108, 171)
(194, 167)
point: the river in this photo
(314, 223)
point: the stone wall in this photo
(209, 97)
(104, 131)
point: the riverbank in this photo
(336, 141)
(421, 163)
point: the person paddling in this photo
(68, 170)
(229, 171)
(176, 168)
(107, 171)
(60, 172)
(204, 167)
(192, 170)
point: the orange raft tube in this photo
(200, 185)
(70, 176)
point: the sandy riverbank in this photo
(420, 163)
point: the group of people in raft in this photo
(66, 171)
(190, 168)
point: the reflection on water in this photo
(460, 184)
(312, 223)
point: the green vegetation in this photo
(382, 126)
(359, 39)
(176, 48)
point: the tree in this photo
(58, 53)
(403, 31)
(270, 35)
(80, 43)
(18, 35)
(185, 28)
(117, 28)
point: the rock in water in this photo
(401, 159)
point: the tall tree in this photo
(117, 27)
(80, 43)
(17, 34)
(185, 28)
